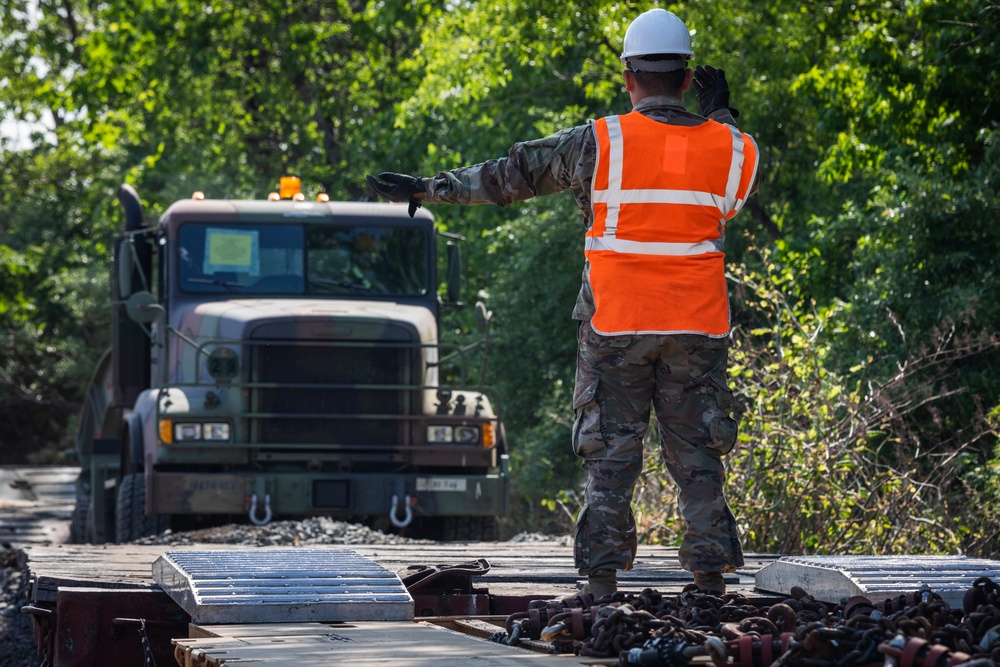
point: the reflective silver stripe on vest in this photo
(615, 160)
(651, 247)
(735, 172)
(692, 197)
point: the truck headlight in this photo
(462, 435)
(187, 431)
(440, 434)
(216, 431)
(467, 435)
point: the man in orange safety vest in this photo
(656, 187)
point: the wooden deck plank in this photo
(413, 644)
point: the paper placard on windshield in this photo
(440, 484)
(233, 250)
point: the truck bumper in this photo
(298, 494)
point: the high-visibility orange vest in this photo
(661, 196)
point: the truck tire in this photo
(131, 521)
(78, 522)
(470, 529)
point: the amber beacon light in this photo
(289, 187)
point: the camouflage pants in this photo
(683, 377)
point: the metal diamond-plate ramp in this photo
(832, 578)
(282, 585)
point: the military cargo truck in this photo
(281, 358)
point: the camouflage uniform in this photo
(683, 377)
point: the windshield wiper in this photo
(228, 284)
(326, 284)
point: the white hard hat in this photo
(657, 32)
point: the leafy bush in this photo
(828, 462)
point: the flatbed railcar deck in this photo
(116, 604)
(518, 569)
(105, 601)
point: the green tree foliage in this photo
(877, 125)
(537, 249)
(173, 97)
(859, 114)
(906, 107)
(224, 98)
(53, 277)
(829, 463)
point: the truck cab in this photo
(281, 359)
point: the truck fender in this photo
(132, 430)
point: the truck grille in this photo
(323, 415)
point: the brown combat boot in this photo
(599, 584)
(710, 582)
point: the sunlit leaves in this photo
(826, 463)
(876, 122)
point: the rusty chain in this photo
(147, 649)
(649, 628)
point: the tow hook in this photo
(267, 510)
(408, 516)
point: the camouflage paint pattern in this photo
(475, 482)
(683, 378)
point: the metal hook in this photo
(407, 518)
(267, 510)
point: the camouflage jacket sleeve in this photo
(531, 169)
(562, 161)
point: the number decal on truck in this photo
(440, 484)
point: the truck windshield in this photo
(303, 259)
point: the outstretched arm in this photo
(531, 168)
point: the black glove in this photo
(712, 89)
(398, 188)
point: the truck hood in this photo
(208, 326)
(239, 319)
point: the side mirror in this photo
(143, 307)
(123, 262)
(483, 318)
(454, 272)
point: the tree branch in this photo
(74, 29)
(761, 216)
